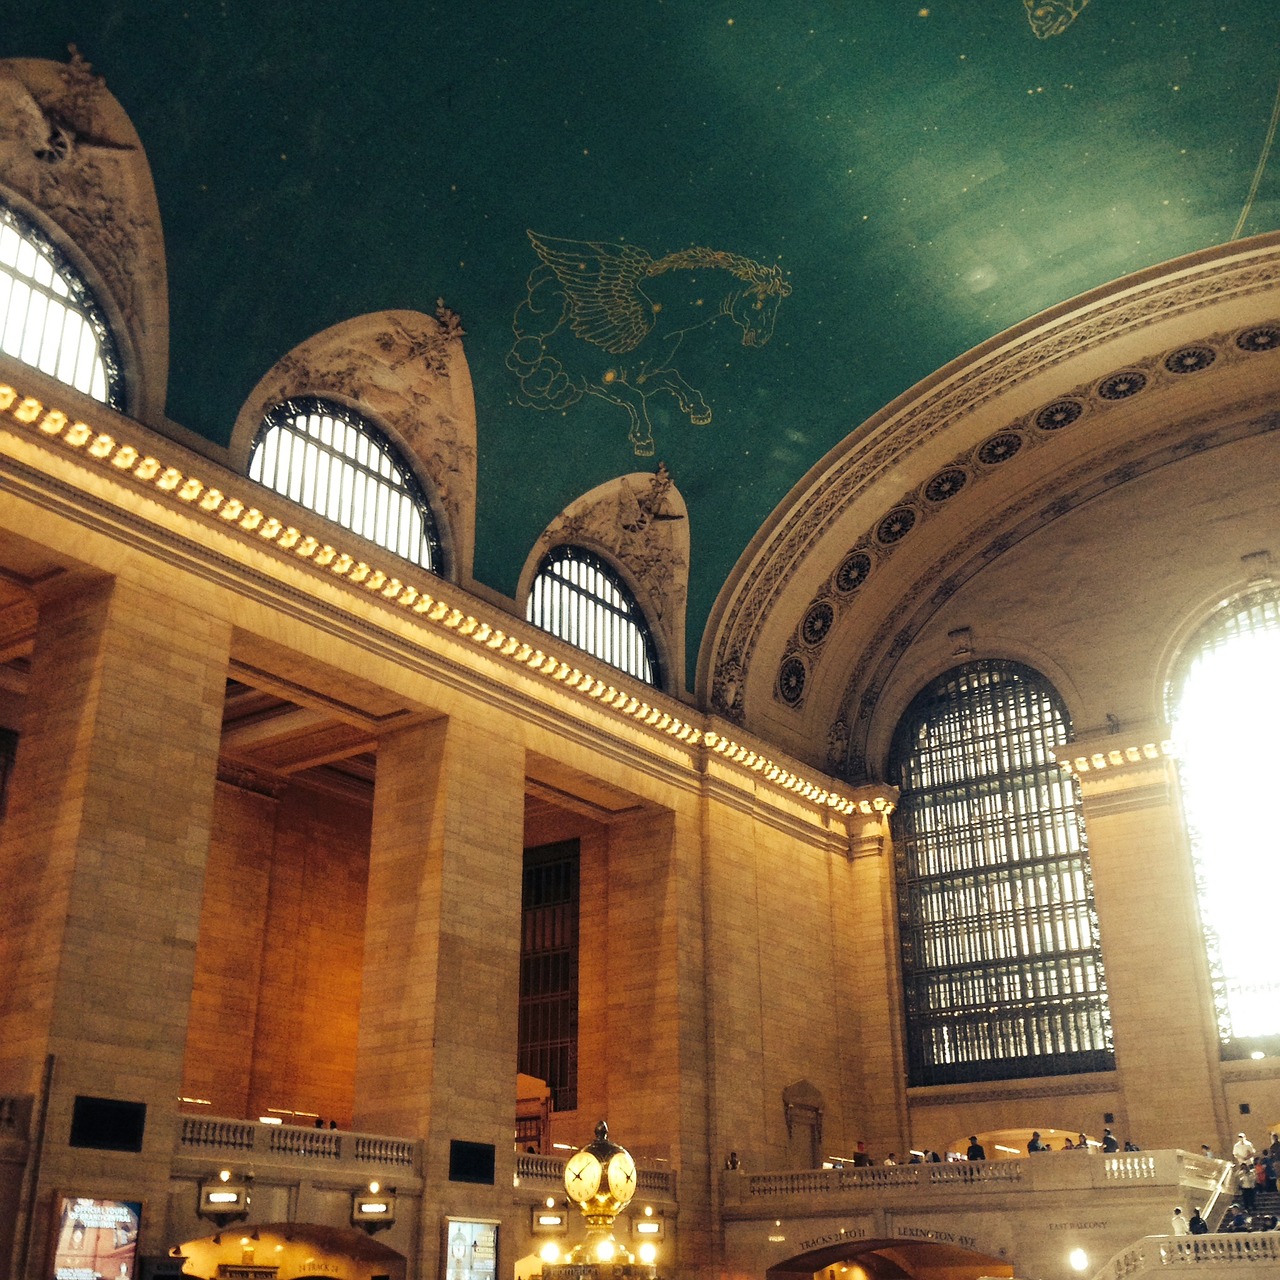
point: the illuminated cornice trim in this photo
(1115, 757)
(127, 459)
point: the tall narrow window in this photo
(49, 318)
(548, 1028)
(327, 458)
(8, 753)
(1002, 973)
(1223, 701)
(578, 597)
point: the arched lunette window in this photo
(1002, 972)
(577, 596)
(49, 317)
(1223, 700)
(327, 458)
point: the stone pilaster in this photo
(869, 982)
(437, 1046)
(101, 875)
(1157, 973)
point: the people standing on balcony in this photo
(1109, 1143)
(1197, 1226)
(1082, 1143)
(1244, 1149)
(1178, 1224)
(1035, 1144)
(891, 1158)
(1206, 1151)
(976, 1150)
(860, 1157)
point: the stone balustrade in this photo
(768, 1192)
(1246, 1253)
(288, 1144)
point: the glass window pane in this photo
(336, 464)
(48, 316)
(579, 598)
(995, 898)
(1222, 700)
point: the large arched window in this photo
(1002, 974)
(1224, 699)
(49, 318)
(328, 459)
(580, 598)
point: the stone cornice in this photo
(446, 612)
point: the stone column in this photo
(101, 875)
(437, 1046)
(1166, 1042)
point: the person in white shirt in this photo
(1179, 1224)
(1243, 1150)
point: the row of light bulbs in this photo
(128, 460)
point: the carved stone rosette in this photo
(407, 373)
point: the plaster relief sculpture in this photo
(69, 152)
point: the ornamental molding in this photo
(887, 442)
(1019, 438)
(74, 164)
(360, 601)
(639, 522)
(407, 373)
(1058, 494)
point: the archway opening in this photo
(892, 1260)
(290, 1251)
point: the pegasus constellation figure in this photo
(607, 320)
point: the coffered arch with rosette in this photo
(1063, 495)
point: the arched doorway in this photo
(289, 1251)
(891, 1260)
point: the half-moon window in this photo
(49, 318)
(577, 596)
(327, 458)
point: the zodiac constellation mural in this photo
(1052, 17)
(608, 319)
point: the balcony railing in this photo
(1259, 1248)
(1052, 1171)
(207, 1135)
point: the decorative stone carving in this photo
(640, 523)
(71, 160)
(408, 374)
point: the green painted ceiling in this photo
(924, 177)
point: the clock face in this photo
(582, 1176)
(622, 1177)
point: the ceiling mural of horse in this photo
(608, 320)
